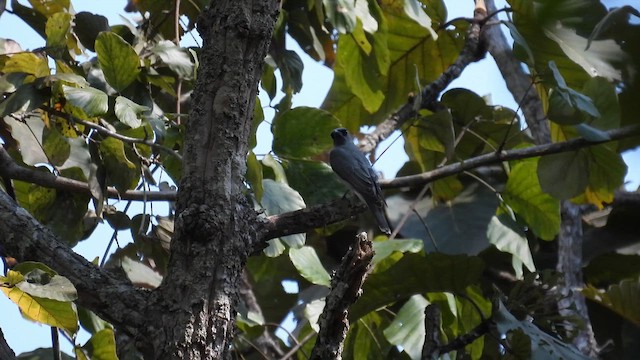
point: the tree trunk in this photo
(194, 309)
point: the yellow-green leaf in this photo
(118, 60)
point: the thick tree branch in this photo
(114, 300)
(6, 353)
(338, 210)
(518, 82)
(9, 169)
(493, 158)
(346, 288)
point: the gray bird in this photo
(354, 168)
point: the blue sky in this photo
(483, 78)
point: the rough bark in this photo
(113, 299)
(214, 228)
(571, 236)
(346, 288)
(5, 351)
(570, 265)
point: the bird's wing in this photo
(353, 167)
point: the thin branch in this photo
(104, 131)
(517, 154)
(9, 169)
(472, 51)
(346, 288)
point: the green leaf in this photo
(384, 249)
(592, 134)
(127, 111)
(308, 264)
(121, 172)
(55, 146)
(366, 337)
(607, 171)
(26, 98)
(596, 61)
(305, 175)
(51, 312)
(341, 14)
(360, 73)
(543, 345)
(413, 8)
(254, 175)
(118, 220)
(268, 80)
(101, 346)
(412, 45)
(91, 100)
(564, 175)
(87, 26)
(612, 268)
(279, 198)
(118, 60)
(519, 40)
(27, 62)
(58, 29)
(57, 288)
(174, 57)
(303, 132)
(438, 272)
(291, 69)
(407, 328)
(525, 196)
(504, 234)
(140, 274)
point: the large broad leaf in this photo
(279, 198)
(58, 30)
(118, 60)
(607, 171)
(303, 132)
(308, 264)
(564, 175)
(87, 26)
(314, 180)
(121, 172)
(47, 311)
(26, 98)
(525, 196)
(341, 14)
(412, 52)
(612, 268)
(534, 19)
(383, 249)
(254, 175)
(267, 274)
(543, 345)
(101, 346)
(507, 237)
(621, 298)
(128, 111)
(140, 274)
(366, 337)
(91, 100)
(174, 57)
(27, 62)
(438, 272)
(407, 329)
(456, 227)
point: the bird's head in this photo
(340, 136)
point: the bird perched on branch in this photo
(354, 168)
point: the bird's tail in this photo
(381, 219)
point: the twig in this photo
(104, 131)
